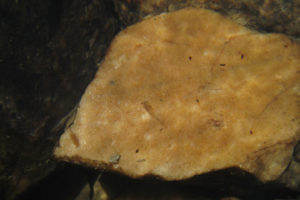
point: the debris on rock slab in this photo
(193, 92)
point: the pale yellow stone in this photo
(186, 93)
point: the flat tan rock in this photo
(186, 93)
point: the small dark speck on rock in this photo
(112, 82)
(222, 64)
(190, 57)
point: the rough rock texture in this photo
(186, 93)
(272, 16)
(47, 48)
(48, 51)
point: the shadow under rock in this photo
(231, 182)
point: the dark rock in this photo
(49, 53)
(271, 16)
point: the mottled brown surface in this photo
(186, 93)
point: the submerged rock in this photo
(186, 93)
(271, 16)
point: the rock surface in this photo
(48, 51)
(271, 16)
(186, 93)
(46, 47)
